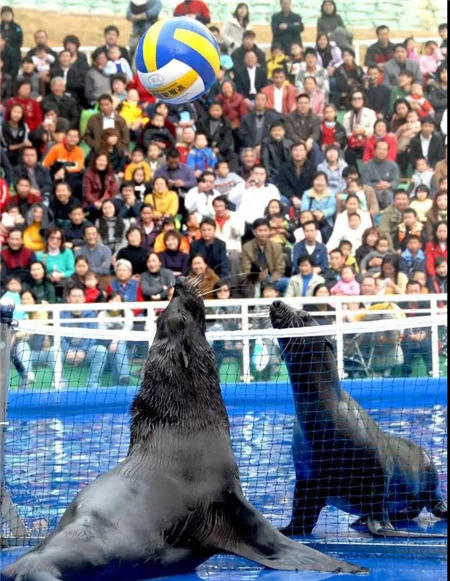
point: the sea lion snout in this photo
(283, 316)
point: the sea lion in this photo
(176, 498)
(341, 455)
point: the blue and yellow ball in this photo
(177, 60)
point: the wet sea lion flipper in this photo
(243, 531)
(377, 529)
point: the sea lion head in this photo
(285, 317)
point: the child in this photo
(277, 60)
(168, 224)
(410, 45)
(431, 58)
(371, 264)
(117, 64)
(418, 102)
(422, 202)
(348, 285)
(154, 158)
(42, 60)
(156, 131)
(423, 174)
(352, 233)
(420, 276)
(119, 89)
(192, 228)
(12, 294)
(134, 116)
(279, 231)
(201, 157)
(345, 246)
(410, 226)
(93, 292)
(413, 257)
(137, 160)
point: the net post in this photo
(8, 511)
(246, 346)
(434, 339)
(58, 371)
(339, 340)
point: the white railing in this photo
(249, 316)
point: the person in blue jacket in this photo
(310, 247)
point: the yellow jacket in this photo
(131, 112)
(163, 204)
(32, 238)
(131, 167)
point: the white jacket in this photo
(368, 118)
(232, 33)
(251, 202)
(231, 232)
(200, 203)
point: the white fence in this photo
(251, 319)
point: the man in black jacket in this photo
(61, 102)
(426, 144)
(39, 176)
(73, 74)
(251, 78)
(248, 43)
(211, 248)
(275, 149)
(286, 26)
(303, 125)
(295, 176)
(219, 133)
(255, 126)
(381, 51)
(378, 96)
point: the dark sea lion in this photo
(176, 498)
(341, 456)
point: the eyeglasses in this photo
(55, 237)
(357, 98)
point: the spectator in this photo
(255, 126)
(129, 205)
(277, 60)
(26, 72)
(333, 274)
(111, 35)
(402, 90)
(43, 61)
(199, 199)
(62, 203)
(295, 60)
(310, 247)
(430, 59)
(331, 24)
(413, 257)
(134, 115)
(124, 283)
(233, 29)
(106, 119)
(247, 162)
(109, 143)
(369, 239)
(378, 96)
(347, 285)
(310, 68)
(416, 341)
(24, 196)
(43, 290)
(156, 281)
(226, 180)
(405, 133)
(234, 106)
(321, 201)
(61, 102)
(180, 177)
(65, 161)
(304, 283)
(154, 158)
(275, 149)
(331, 131)
(427, 144)
(418, 102)
(436, 91)
(218, 132)
(156, 132)
(39, 176)
(172, 258)
(381, 174)
(329, 55)
(302, 125)
(381, 51)
(352, 205)
(93, 292)
(438, 213)
(262, 260)
(438, 282)
(252, 197)
(348, 76)
(422, 176)
(98, 255)
(15, 258)
(280, 94)
(436, 248)
(211, 248)
(97, 81)
(37, 221)
(134, 252)
(32, 113)
(317, 96)
(410, 225)
(250, 78)
(77, 351)
(163, 201)
(13, 35)
(398, 63)
(14, 135)
(248, 44)
(117, 64)
(333, 166)
(358, 124)
(371, 263)
(203, 277)
(74, 230)
(201, 157)
(392, 215)
(59, 261)
(142, 14)
(380, 133)
(287, 26)
(229, 229)
(99, 184)
(111, 227)
(138, 161)
(193, 8)
(391, 280)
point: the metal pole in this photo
(7, 509)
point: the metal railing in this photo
(248, 315)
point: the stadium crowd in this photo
(300, 173)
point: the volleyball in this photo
(177, 60)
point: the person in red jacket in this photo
(99, 184)
(436, 248)
(380, 133)
(195, 8)
(31, 108)
(5, 195)
(15, 258)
